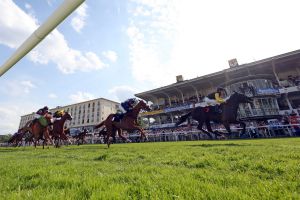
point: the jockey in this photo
(41, 112)
(128, 105)
(58, 114)
(40, 116)
(216, 98)
(125, 107)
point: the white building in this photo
(85, 114)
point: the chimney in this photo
(179, 78)
(233, 63)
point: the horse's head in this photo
(241, 98)
(144, 106)
(67, 116)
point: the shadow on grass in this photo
(218, 145)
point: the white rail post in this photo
(63, 11)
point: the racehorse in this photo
(227, 117)
(81, 136)
(41, 132)
(16, 139)
(58, 131)
(128, 122)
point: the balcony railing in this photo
(258, 112)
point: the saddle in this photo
(214, 109)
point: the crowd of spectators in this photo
(290, 81)
(288, 125)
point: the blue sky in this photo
(115, 48)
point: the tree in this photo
(4, 138)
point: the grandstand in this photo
(273, 83)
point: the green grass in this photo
(235, 169)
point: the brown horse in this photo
(41, 132)
(58, 131)
(128, 122)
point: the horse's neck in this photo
(61, 122)
(232, 104)
(135, 111)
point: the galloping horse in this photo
(81, 136)
(58, 132)
(40, 132)
(228, 115)
(128, 122)
(16, 138)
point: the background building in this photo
(274, 84)
(85, 114)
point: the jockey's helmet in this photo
(132, 101)
(45, 108)
(220, 89)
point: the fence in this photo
(269, 131)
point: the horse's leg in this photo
(212, 133)
(121, 135)
(200, 125)
(143, 135)
(243, 125)
(227, 127)
(109, 133)
(47, 137)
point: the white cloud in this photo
(79, 20)
(110, 55)
(11, 115)
(173, 37)
(81, 96)
(121, 93)
(28, 6)
(52, 96)
(54, 48)
(50, 2)
(17, 88)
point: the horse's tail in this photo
(104, 121)
(183, 118)
(99, 125)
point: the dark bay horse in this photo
(58, 131)
(227, 117)
(81, 137)
(128, 122)
(17, 138)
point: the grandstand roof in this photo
(261, 68)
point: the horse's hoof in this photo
(128, 141)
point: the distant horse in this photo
(58, 131)
(17, 138)
(227, 117)
(40, 131)
(103, 133)
(128, 122)
(81, 136)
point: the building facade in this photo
(273, 83)
(85, 114)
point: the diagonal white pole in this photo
(63, 11)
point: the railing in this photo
(269, 131)
(258, 112)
